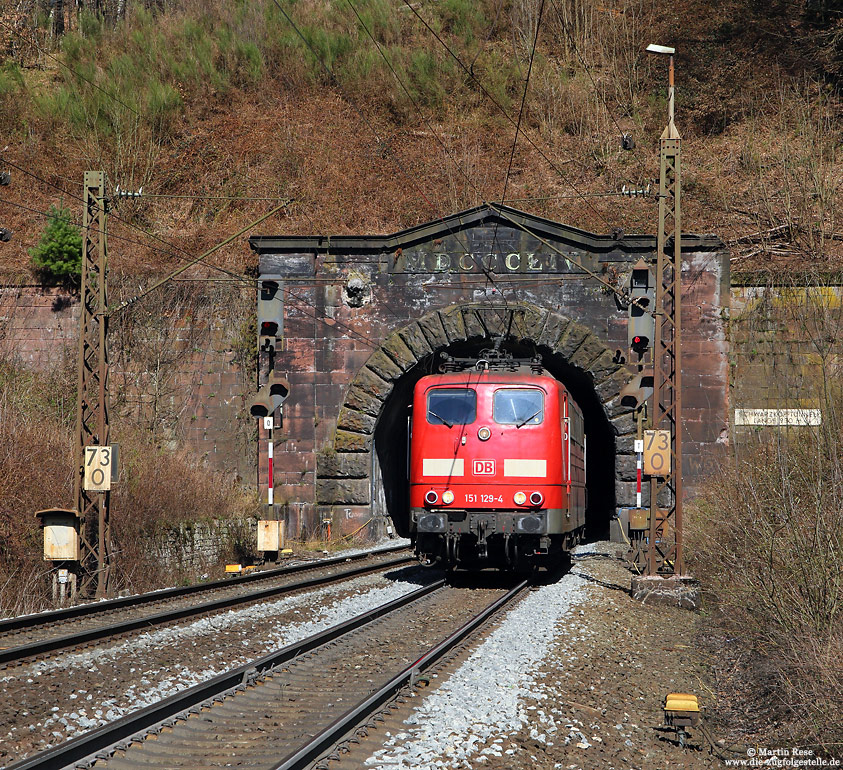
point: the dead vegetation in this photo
(766, 537)
(182, 97)
(224, 102)
(159, 490)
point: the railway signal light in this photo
(270, 396)
(642, 293)
(638, 390)
(270, 314)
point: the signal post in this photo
(266, 406)
(658, 554)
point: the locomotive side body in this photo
(497, 469)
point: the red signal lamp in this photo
(639, 343)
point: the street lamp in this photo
(666, 50)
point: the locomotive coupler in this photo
(482, 547)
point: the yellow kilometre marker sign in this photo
(97, 468)
(656, 452)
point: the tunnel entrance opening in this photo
(391, 437)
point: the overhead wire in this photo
(502, 109)
(523, 101)
(173, 247)
(234, 276)
(208, 197)
(435, 133)
(76, 223)
(520, 116)
(597, 90)
(123, 305)
(441, 217)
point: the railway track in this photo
(31, 636)
(291, 707)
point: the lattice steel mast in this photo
(664, 552)
(92, 427)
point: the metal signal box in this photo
(270, 535)
(642, 292)
(61, 534)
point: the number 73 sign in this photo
(97, 466)
(656, 452)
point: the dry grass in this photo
(158, 491)
(252, 113)
(767, 537)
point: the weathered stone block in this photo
(527, 323)
(471, 320)
(350, 465)
(434, 331)
(496, 320)
(614, 408)
(625, 444)
(625, 493)
(415, 340)
(344, 441)
(355, 421)
(572, 339)
(398, 351)
(343, 491)
(603, 365)
(626, 467)
(452, 322)
(369, 382)
(610, 386)
(382, 365)
(554, 328)
(359, 399)
(625, 423)
(588, 351)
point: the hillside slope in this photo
(417, 120)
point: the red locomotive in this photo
(497, 465)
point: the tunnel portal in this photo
(365, 317)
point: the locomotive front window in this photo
(519, 406)
(451, 406)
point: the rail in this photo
(22, 652)
(92, 608)
(335, 732)
(98, 743)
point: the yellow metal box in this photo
(61, 534)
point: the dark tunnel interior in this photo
(392, 444)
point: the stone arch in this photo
(371, 409)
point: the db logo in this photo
(484, 467)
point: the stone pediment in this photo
(489, 232)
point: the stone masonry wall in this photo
(187, 384)
(786, 351)
(363, 317)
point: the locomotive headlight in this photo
(447, 497)
(536, 498)
(520, 498)
(431, 498)
(484, 434)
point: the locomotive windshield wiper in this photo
(524, 422)
(442, 419)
